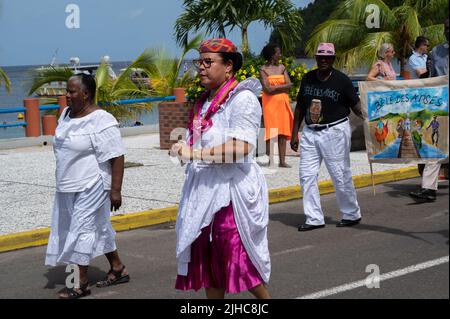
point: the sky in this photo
(437, 101)
(31, 31)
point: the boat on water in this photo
(140, 78)
(56, 88)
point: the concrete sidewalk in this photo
(27, 181)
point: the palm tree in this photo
(154, 63)
(216, 15)
(165, 70)
(400, 23)
(4, 78)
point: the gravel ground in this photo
(27, 181)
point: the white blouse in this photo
(83, 147)
(209, 187)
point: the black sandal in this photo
(118, 278)
(73, 294)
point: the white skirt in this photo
(81, 229)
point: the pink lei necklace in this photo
(199, 124)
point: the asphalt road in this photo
(396, 233)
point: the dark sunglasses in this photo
(326, 57)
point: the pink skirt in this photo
(221, 263)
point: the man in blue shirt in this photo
(439, 56)
(430, 176)
(417, 62)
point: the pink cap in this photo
(326, 49)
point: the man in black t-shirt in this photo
(324, 101)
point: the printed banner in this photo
(406, 120)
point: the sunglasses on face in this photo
(205, 62)
(325, 57)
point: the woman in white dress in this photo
(223, 213)
(89, 170)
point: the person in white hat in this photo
(324, 101)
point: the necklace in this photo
(200, 123)
(212, 95)
(81, 112)
(326, 78)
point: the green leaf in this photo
(47, 75)
(4, 78)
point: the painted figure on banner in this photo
(381, 132)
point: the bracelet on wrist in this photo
(196, 155)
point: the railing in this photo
(23, 109)
(32, 106)
(14, 124)
(143, 100)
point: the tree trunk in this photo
(245, 48)
(403, 60)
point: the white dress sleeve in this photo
(107, 141)
(245, 117)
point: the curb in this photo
(153, 217)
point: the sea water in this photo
(21, 78)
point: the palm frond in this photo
(409, 21)
(184, 80)
(4, 78)
(101, 75)
(129, 93)
(193, 44)
(145, 61)
(356, 10)
(435, 33)
(365, 53)
(288, 25)
(343, 33)
(435, 11)
(204, 15)
(47, 75)
(214, 17)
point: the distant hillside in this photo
(423, 115)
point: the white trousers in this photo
(430, 176)
(332, 145)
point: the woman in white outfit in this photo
(223, 213)
(89, 171)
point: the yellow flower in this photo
(244, 72)
(292, 73)
(305, 71)
(243, 77)
(199, 89)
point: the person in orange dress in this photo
(277, 111)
